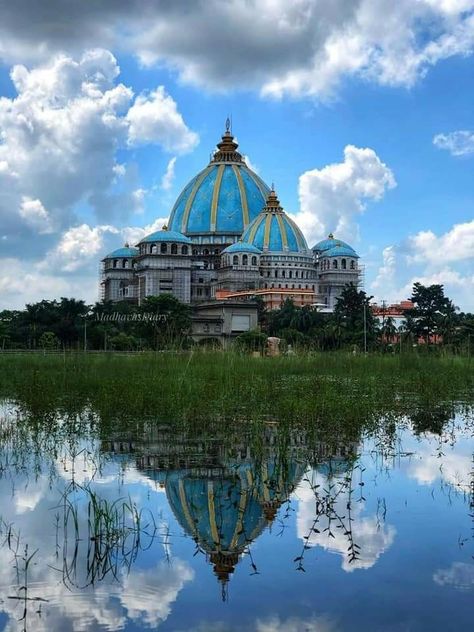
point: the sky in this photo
(359, 111)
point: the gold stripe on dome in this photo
(239, 525)
(284, 236)
(192, 195)
(212, 513)
(266, 233)
(184, 505)
(215, 196)
(243, 195)
(258, 182)
(255, 226)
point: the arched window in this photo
(174, 249)
(254, 260)
(276, 274)
(153, 249)
(164, 249)
(235, 260)
(352, 265)
(290, 274)
(334, 264)
(205, 252)
(343, 264)
(184, 250)
(195, 251)
(115, 263)
(283, 273)
(245, 260)
(125, 263)
(216, 251)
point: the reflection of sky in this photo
(410, 518)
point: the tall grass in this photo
(197, 386)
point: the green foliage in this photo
(251, 341)
(49, 340)
(433, 314)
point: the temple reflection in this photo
(225, 494)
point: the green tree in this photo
(433, 313)
(354, 317)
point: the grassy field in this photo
(200, 386)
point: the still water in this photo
(276, 529)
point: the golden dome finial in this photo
(330, 236)
(273, 203)
(227, 125)
(227, 148)
(164, 227)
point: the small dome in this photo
(272, 230)
(330, 242)
(242, 246)
(166, 235)
(340, 251)
(126, 251)
(223, 198)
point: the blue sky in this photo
(360, 112)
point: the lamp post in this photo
(89, 313)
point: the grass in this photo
(214, 386)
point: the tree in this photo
(433, 313)
(354, 317)
(169, 321)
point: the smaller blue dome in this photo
(126, 251)
(167, 235)
(242, 246)
(330, 242)
(340, 251)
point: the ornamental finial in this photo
(227, 125)
(164, 227)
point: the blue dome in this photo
(329, 243)
(272, 230)
(166, 235)
(242, 246)
(223, 198)
(340, 251)
(122, 252)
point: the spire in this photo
(272, 204)
(227, 148)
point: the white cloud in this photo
(460, 143)
(303, 47)
(154, 118)
(168, 177)
(35, 215)
(331, 197)
(429, 259)
(295, 624)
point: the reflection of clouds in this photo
(295, 624)
(459, 575)
(373, 538)
(144, 596)
(452, 466)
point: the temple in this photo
(229, 239)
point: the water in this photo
(275, 530)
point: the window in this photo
(115, 263)
(290, 274)
(334, 264)
(205, 252)
(194, 251)
(164, 249)
(245, 260)
(235, 260)
(153, 249)
(276, 274)
(343, 264)
(174, 249)
(352, 265)
(254, 261)
(184, 250)
(283, 273)
(201, 280)
(216, 251)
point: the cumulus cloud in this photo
(459, 575)
(460, 143)
(304, 47)
(332, 197)
(154, 118)
(295, 624)
(429, 259)
(60, 136)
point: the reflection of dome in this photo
(274, 231)
(126, 251)
(223, 198)
(331, 242)
(167, 235)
